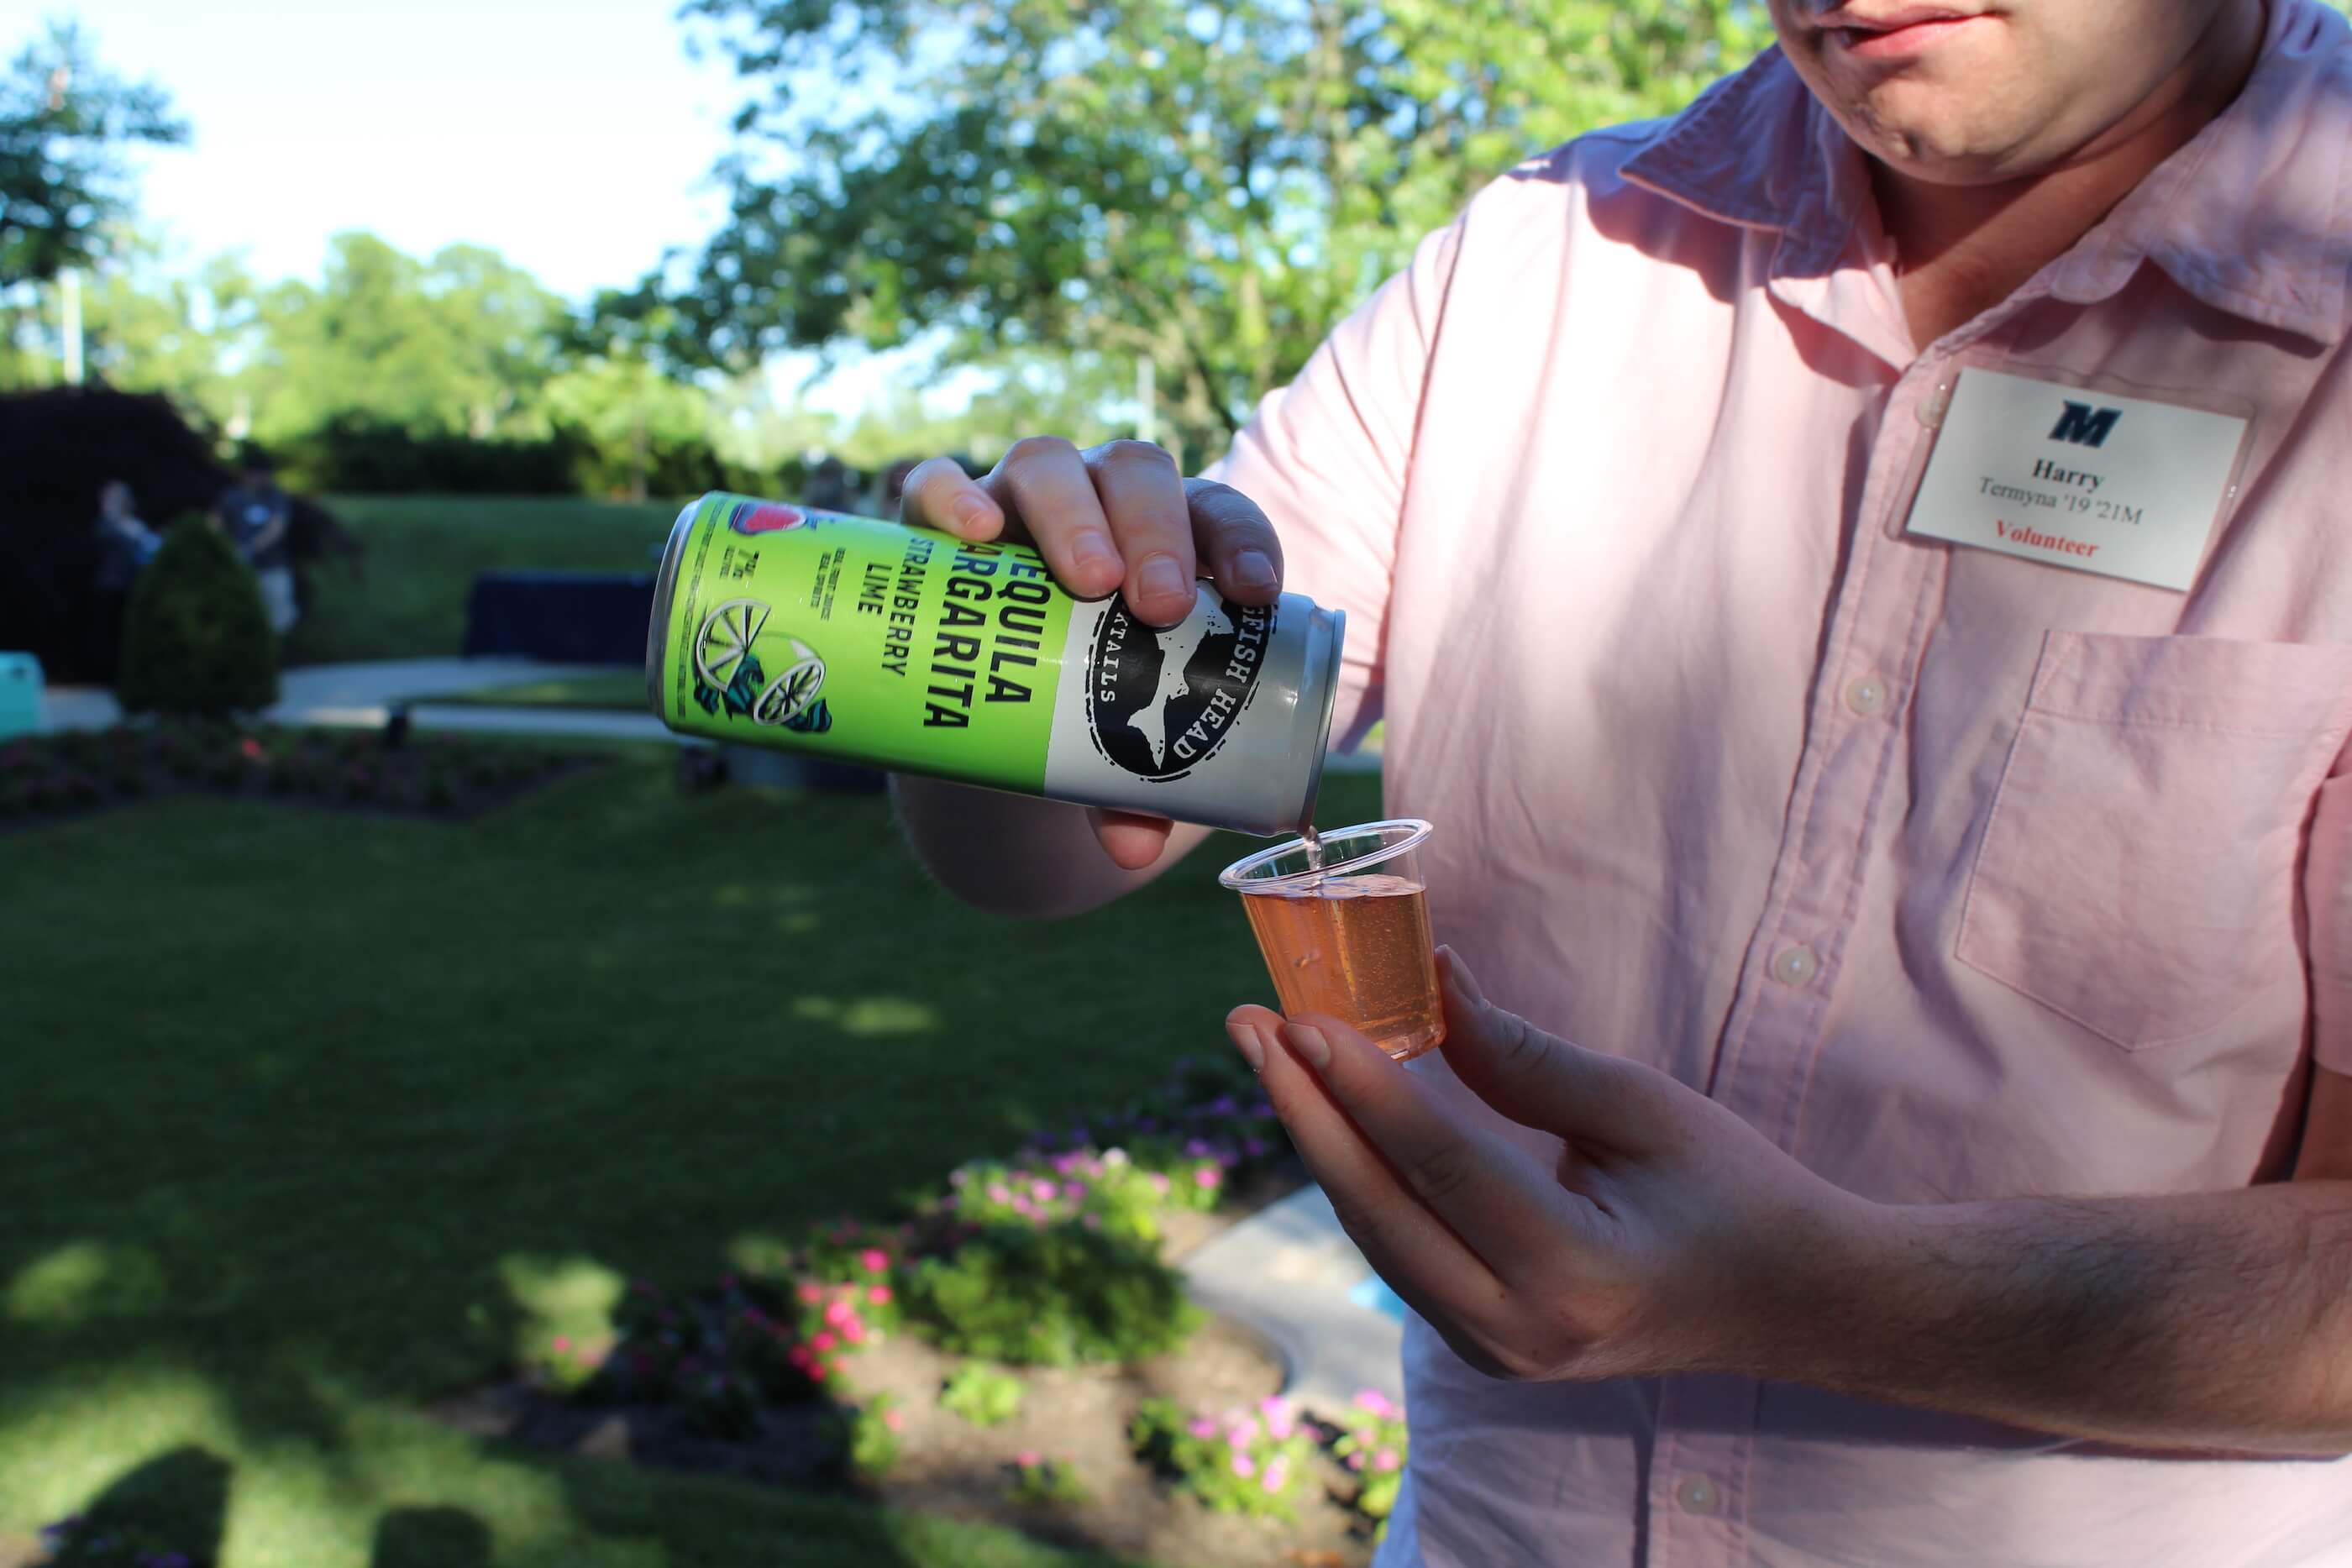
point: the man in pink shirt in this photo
(1855, 575)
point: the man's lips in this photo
(1894, 32)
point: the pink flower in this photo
(1386, 1460)
(999, 1193)
(562, 1345)
(822, 1343)
(1208, 1175)
(874, 1260)
(1159, 1181)
(878, 1294)
(895, 1419)
(1356, 1461)
(1374, 1401)
(854, 1331)
(1244, 1465)
(839, 1312)
(1204, 1428)
(1091, 1221)
(1042, 1191)
(1027, 1458)
(252, 749)
(810, 1295)
(799, 1356)
(1277, 1474)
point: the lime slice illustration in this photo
(790, 694)
(726, 634)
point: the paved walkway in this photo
(364, 695)
(1290, 1272)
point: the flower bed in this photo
(1018, 1349)
(43, 777)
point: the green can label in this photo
(914, 651)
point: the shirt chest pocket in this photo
(2138, 871)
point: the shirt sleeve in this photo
(2327, 902)
(1328, 459)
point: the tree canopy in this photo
(67, 126)
(1208, 186)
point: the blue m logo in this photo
(2085, 425)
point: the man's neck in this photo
(1963, 249)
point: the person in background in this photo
(891, 488)
(125, 544)
(831, 488)
(256, 516)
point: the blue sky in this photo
(572, 135)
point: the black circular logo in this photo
(1159, 703)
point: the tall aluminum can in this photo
(910, 649)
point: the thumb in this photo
(1538, 1079)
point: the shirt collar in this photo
(2253, 217)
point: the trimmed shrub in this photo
(196, 640)
(1052, 1296)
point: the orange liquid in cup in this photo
(1355, 948)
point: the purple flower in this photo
(1222, 1105)
(1197, 1148)
(1254, 1147)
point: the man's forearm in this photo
(1012, 854)
(2208, 1321)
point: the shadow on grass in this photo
(430, 1538)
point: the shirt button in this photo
(1797, 967)
(1697, 1495)
(1866, 696)
(1931, 409)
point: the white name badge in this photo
(2117, 486)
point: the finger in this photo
(1143, 498)
(1509, 1209)
(1423, 1261)
(1235, 542)
(1538, 1079)
(1045, 485)
(1132, 840)
(940, 495)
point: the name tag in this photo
(2116, 485)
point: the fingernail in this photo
(972, 512)
(1307, 1043)
(1254, 568)
(1160, 578)
(1246, 1041)
(1459, 973)
(1091, 552)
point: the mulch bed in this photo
(386, 771)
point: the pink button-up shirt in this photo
(1959, 875)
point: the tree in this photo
(1204, 186)
(66, 126)
(459, 344)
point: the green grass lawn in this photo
(309, 1116)
(405, 598)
